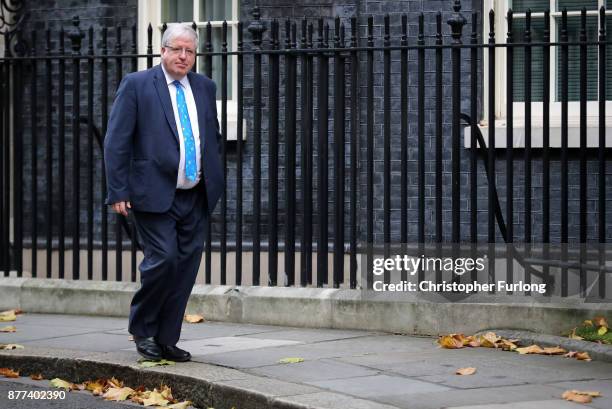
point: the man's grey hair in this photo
(175, 30)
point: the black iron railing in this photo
(329, 203)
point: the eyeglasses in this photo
(180, 50)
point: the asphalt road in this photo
(73, 400)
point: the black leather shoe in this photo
(173, 353)
(148, 348)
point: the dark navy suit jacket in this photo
(141, 148)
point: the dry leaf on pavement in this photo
(465, 371)
(9, 373)
(36, 377)
(118, 394)
(531, 349)
(179, 405)
(95, 387)
(583, 356)
(145, 363)
(489, 340)
(11, 346)
(580, 396)
(554, 351)
(291, 360)
(452, 341)
(10, 328)
(600, 322)
(155, 398)
(6, 316)
(60, 383)
(194, 318)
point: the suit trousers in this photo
(172, 243)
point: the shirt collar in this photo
(169, 79)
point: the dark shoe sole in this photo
(177, 359)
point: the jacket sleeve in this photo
(118, 142)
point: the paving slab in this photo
(603, 386)
(229, 344)
(330, 400)
(315, 370)
(538, 404)
(378, 386)
(92, 341)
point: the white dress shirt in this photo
(182, 182)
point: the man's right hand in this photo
(121, 207)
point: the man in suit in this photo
(162, 159)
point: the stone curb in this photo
(599, 352)
(205, 385)
(317, 307)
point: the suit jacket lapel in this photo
(200, 101)
(164, 96)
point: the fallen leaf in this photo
(118, 394)
(10, 328)
(575, 397)
(166, 392)
(489, 340)
(507, 345)
(587, 323)
(36, 377)
(194, 318)
(155, 398)
(291, 360)
(115, 383)
(145, 363)
(60, 383)
(532, 349)
(179, 405)
(6, 316)
(95, 387)
(593, 394)
(602, 331)
(465, 371)
(554, 351)
(9, 373)
(583, 356)
(600, 322)
(11, 346)
(452, 341)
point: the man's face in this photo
(178, 56)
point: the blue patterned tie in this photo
(191, 168)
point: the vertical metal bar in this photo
(118, 231)
(194, 27)
(61, 91)
(601, 151)
(509, 148)
(18, 165)
(546, 143)
(290, 152)
(527, 156)
(564, 151)
(323, 183)
(34, 155)
(421, 135)
(149, 46)
(583, 148)
(4, 186)
(273, 95)
(309, 156)
(104, 107)
(209, 69)
(404, 138)
(304, 152)
(76, 150)
(473, 143)
(49, 152)
(240, 91)
(224, 84)
(370, 152)
(438, 147)
(257, 146)
(354, 151)
(491, 149)
(387, 142)
(338, 270)
(90, 154)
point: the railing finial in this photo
(76, 35)
(457, 22)
(257, 27)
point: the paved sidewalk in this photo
(357, 368)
